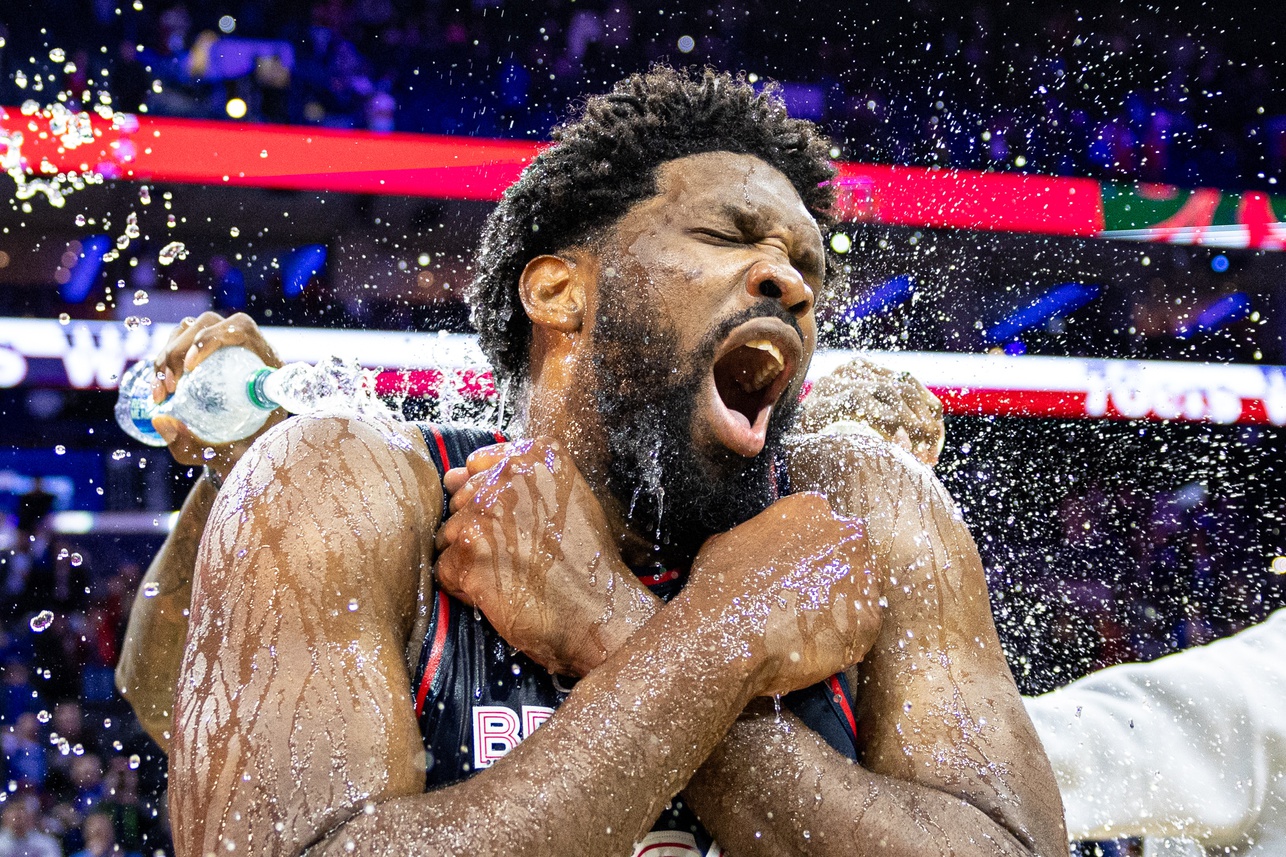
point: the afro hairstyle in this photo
(605, 161)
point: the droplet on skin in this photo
(352, 605)
(41, 621)
(151, 589)
(207, 453)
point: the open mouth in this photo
(757, 364)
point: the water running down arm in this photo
(295, 726)
(950, 762)
(148, 669)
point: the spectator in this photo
(18, 834)
(100, 837)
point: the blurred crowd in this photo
(77, 775)
(1127, 94)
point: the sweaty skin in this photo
(294, 723)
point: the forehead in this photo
(735, 184)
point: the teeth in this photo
(769, 371)
(765, 345)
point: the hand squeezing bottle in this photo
(231, 393)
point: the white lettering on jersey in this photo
(496, 730)
(668, 843)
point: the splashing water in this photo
(172, 252)
(41, 621)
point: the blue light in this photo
(1219, 264)
(299, 266)
(888, 294)
(1060, 300)
(1228, 308)
(84, 273)
(1015, 348)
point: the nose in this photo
(781, 283)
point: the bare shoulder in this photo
(351, 455)
(867, 477)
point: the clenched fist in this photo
(527, 543)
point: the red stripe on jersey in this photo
(842, 699)
(435, 652)
(442, 447)
(659, 577)
(500, 438)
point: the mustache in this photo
(763, 308)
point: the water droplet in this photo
(80, 220)
(170, 252)
(60, 450)
(77, 559)
(41, 621)
(145, 195)
(264, 153)
(207, 453)
(118, 454)
(352, 605)
(134, 761)
(64, 318)
(151, 589)
(58, 55)
(64, 553)
(140, 297)
(43, 716)
(117, 745)
(234, 232)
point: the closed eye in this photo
(720, 236)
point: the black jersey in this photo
(476, 696)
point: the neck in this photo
(559, 409)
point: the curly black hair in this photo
(604, 162)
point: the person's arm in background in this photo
(148, 668)
(1187, 746)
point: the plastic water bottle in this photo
(231, 393)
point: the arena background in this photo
(1067, 222)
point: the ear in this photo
(553, 294)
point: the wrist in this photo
(725, 635)
(212, 477)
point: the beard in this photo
(647, 395)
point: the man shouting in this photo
(650, 557)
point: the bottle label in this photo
(141, 411)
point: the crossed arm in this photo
(315, 733)
(950, 761)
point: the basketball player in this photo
(647, 290)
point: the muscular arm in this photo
(158, 622)
(950, 761)
(295, 725)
